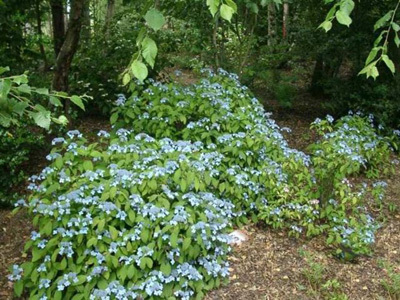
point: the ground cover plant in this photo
(147, 209)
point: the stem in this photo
(390, 27)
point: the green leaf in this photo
(91, 242)
(327, 25)
(126, 79)
(397, 40)
(20, 107)
(253, 7)
(231, 4)
(347, 6)
(383, 21)
(47, 228)
(18, 288)
(226, 12)
(389, 63)
(146, 261)
(114, 232)
(5, 119)
(57, 295)
(55, 101)
(139, 70)
(371, 70)
(131, 215)
(174, 237)
(78, 297)
(62, 265)
(149, 51)
(42, 118)
(37, 254)
(88, 165)
(372, 55)
(343, 18)
(154, 19)
(24, 88)
(62, 120)
(78, 101)
(42, 91)
(213, 6)
(113, 118)
(186, 243)
(4, 69)
(395, 27)
(5, 87)
(183, 185)
(165, 269)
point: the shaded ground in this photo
(268, 265)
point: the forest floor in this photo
(269, 265)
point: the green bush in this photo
(146, 211)
(16, 146)
(349, 147)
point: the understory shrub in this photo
(15, 147)
(146, 211)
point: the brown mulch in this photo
(268, 265)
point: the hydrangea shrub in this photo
(146, 211)
(127, 217)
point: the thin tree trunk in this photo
(86, 26)
(247, 53)
(40, 33)
(109, 15)
(317, 76)
(157, 4)
(215, 42)
(57, 14)
(69, 47)
(271, 24)
(285, 20)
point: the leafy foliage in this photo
(16, 101)
(341, 11)
(16, 146)
(147, 210)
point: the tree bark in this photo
(285, 20)
(57, 14)
(86, 24)
(317, 76)
(40, 33)
(271, 24)
(215, 42)
(109, 15)
(69, 47)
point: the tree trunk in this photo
(40, 33)
(215, 42)
(57, 14)
(317, 76)
(285, 20)
(69, 47)
(86, 24)
(157, 4)
(271, 24)
(109, 15)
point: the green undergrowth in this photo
(146, 211)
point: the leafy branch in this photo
(341, 11)
(147, 47)
(16, 102)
